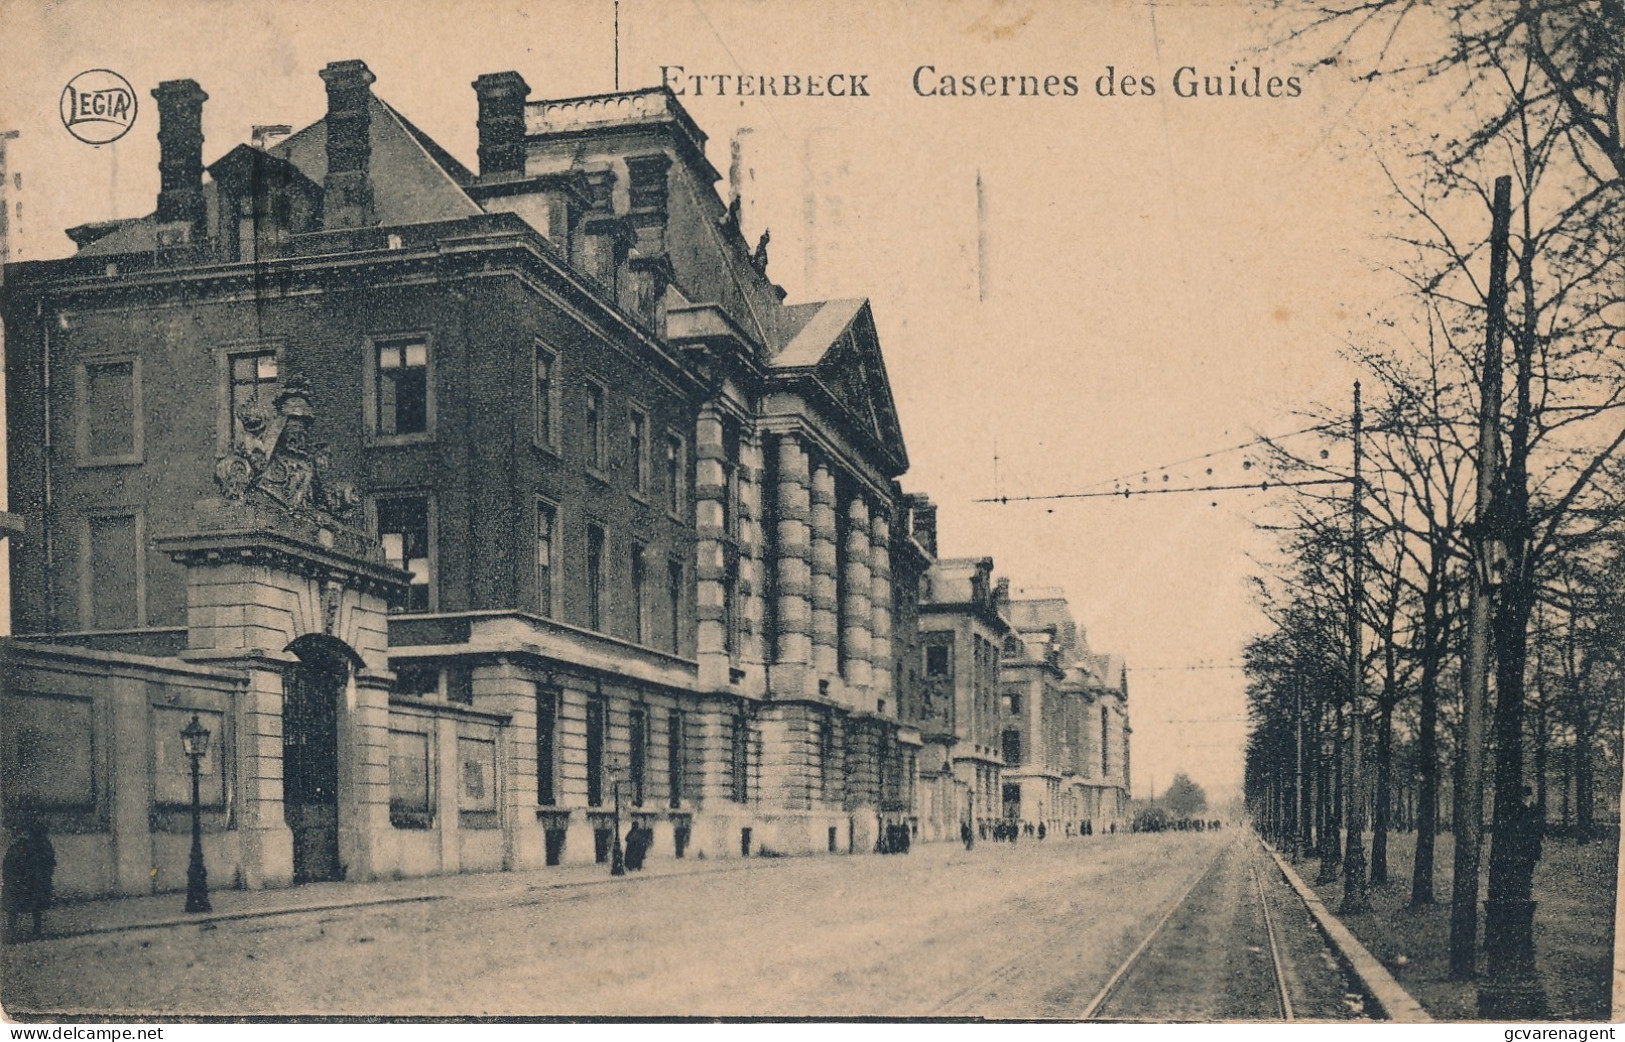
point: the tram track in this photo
(1218, 953)
(1236, 943)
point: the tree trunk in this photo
(1582, 775)
(1427, 819)
(1385, 777)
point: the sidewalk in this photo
(114, 914)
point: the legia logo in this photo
(98, 106)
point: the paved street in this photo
(1033, 930)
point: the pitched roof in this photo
(413, 179)
(820, 326)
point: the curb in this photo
(1393, 1000)
(227, 917)
(169, 922)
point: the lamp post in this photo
(970, 841)
(617, 855)
(195, 741)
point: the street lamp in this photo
(617, 856)
(195, 741)
(970, 836)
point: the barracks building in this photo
(465, 508)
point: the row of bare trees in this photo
(1525, 91)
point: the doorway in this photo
(310, 759)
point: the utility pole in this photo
(1510, 988)
(1331, 837)
(1356, 888)
(1469, 816)
(1301, 814)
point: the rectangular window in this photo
(109, 403)
(547, 729)
(886, 775)
(595, 578)
(730, 602)
(545, 389)
(640, 607)
(638, 448)
(460, 683)
(417, 681)
(594, 447)
(676, 757)
(402, 387)
(739, 762)
(595, 752)
(252, 376)
(674, 603)
(676, 472)
(1012, 703)
(111, 584)
(826, 755)
(547, 522)
(403, 528)
(409, 806)
(638, 756)
(730, 481)
(938, 660)
(1105, 748)
(1012, 748)
(842, 588)
(1012, 801)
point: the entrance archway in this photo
(312, 689)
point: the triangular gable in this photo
(841, 348)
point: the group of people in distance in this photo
(1009, 830)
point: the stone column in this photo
(267, 842)
(855, 559)
(750, 556)
(790, 674)
(826, 640)
(880, 601)
(710, 498)
(367, 844)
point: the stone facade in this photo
(621, 537)
(595, 529)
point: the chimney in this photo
(605, 238)
(923, 515)
(1001, 593)
(502, 97)
(180, 154)
(648, 268)
(347, 192)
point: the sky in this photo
(1069, 289)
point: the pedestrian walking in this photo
(27, 877)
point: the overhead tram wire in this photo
(1088, 491)
(1263, 439)
(1128, 493)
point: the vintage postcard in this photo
(1010, 510)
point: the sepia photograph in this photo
(1007, 511)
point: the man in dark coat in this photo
(637, 845)
(26, 880)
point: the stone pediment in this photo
(839, 348)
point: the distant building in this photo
(1065, 722)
